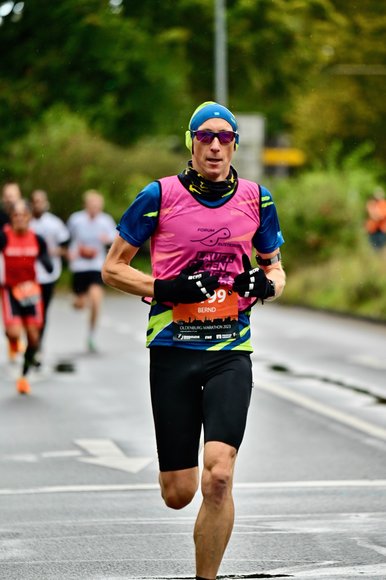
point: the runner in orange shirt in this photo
(22, 306)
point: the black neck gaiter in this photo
(202, 188)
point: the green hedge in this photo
(322, 212)
(62, 156)
(327, 256)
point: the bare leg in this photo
(14, 333)
(79, 301)
(178, 488)
(95, 295)
(215, 519)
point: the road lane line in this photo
(60, 454)
(26, 457)
(154, 486)
(371, 546)
(313, 484)
(323, 409)
(342, 572)
(368, 361)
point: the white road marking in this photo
(104, 453)
(107, 454)
(78, 489)
(323, 409)
(334, 571)
(363, 483)
(375, 547)
(26, 457)
(100, 447)
(242, 520)
(129, 464)
(367, 360)
(314, 483)
(59, 454)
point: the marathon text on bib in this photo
(214, 319)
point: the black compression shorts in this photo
(81, 281)
(194, 388)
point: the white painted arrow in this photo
(106, 453)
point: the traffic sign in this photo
(283, 156)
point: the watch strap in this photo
(268, 261)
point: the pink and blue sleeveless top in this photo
(183, 230)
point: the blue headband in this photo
(211, 110)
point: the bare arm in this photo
(118, 273)
(276, 273)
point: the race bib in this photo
(27, 293)
(213, 319)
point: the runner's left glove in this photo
(187, 287)
(253, 283)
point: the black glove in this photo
(187, 287)
(253, 282)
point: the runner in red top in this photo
(20, 293)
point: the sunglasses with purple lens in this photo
(206, 136)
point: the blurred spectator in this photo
(22, 305)
(92, 231)
(10, 193)
(56, 236)
(376, 219)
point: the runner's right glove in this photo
(187, 288)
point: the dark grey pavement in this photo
(78, 471)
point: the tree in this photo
(341, 98)
(101, 64)
(141, 69)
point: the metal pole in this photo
(220, 54)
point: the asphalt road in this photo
(78, 471)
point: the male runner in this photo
(56, 235)
(92, 231)
(203, 225)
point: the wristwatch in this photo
(268, 261)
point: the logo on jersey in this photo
(214, 238)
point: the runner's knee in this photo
(13, 333)
(216, 484)
(177, 498)
(78, 302)
(178, 492)
(217, 477)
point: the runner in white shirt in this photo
(92, 231)
(56, 236)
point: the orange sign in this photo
(283, 156)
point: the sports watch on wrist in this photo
(268, 261)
